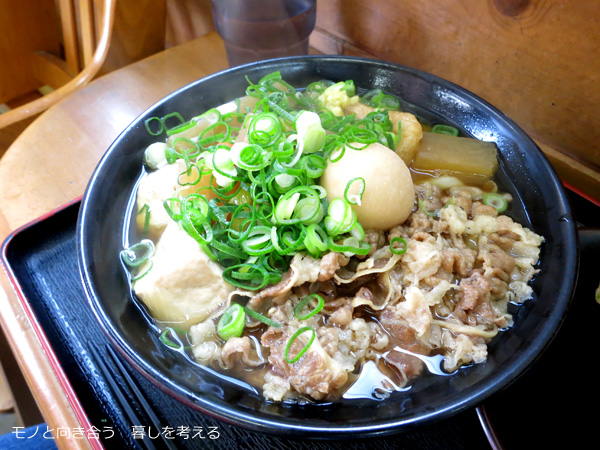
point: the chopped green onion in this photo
(299, 205)
(231, 324)
(223, 167)
(337, 150)
(265, 129)
(155, 156)
(314, 165)
(274, 82)
(390, 103)
(310, 131)
(180, 128)
(360, 138)
(395, 250)
(154, 132)
(312, 312)
(170, 116)
(283, 149)
(288, 240)
(162, 124)
(188, 172)
(138, 253)
(317, 88)
(495, 200)
(349, 246)
(355, 198)
(145, 210)
(143, 271)
(214, 134)
(265, 206)
(378, 99)
(248, 276)
(305, 210)
(444, 129)
(423, 206)
(266, 203)
(321, 190)
(315, 240)
(348, 87)
(286, 352)
(249, 156)
(197, 226)
(165, 339)
(242, 222)
(373, 97)
(174, 213)
(340, 217)
(182, 148)
(213, 115)
(258, 242)
(137, 259)
(261, 318)
(285, 181)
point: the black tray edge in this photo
(63, 381)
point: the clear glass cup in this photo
(254, 30)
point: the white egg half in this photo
(389, 194)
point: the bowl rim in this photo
(283, 426)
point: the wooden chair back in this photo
(86, 27)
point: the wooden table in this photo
(50, 164)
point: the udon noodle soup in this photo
(318, 244)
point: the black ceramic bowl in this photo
(540, 204)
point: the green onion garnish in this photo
(424, 207)
(495, 200)
(299, 205)
(265, 202)
(180, 128)
(310, 131)
(355, 198)
(348, 86)
(248, 276)
(265, 129)
(142, 272)
(378, 99)
(182, 148)
(231, 324)
(152, 129)
(315, 89)
(349, 246)
(261, 318)
(444, 129)
(312, 312)
(340, 218)
(288, 346)
(258, 241)
(395, 250)
(165, 339)
(155, 155)
(169, 117)
(138, 253)
(145, 210)
(315, 240)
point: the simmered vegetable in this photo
(462, 155)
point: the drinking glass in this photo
(254, 30)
